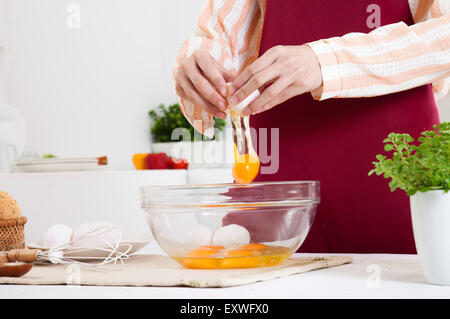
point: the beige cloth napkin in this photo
(158, 270)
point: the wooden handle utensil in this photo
(17, 262)
(23, 255)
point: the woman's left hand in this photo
(291, 71)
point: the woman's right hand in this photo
(201, 80)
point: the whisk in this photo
(107, 257)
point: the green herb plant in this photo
(415, 167)
(166, 119)
(49, 156)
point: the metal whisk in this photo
(78, 252)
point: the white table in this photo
(113, 196)
(369, 276)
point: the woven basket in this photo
(12, 233)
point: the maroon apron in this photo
(335, 141)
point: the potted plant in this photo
(422, 170)
(174, 135)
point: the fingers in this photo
(270, 93)
(179, 90)
(210, 69)
(260, 64)
(285, 95)
(214, 71)
(228, 75)
(258, 81)
(189, 93)
(203, 86)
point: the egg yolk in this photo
(213, 247)
(198, 258)
(254, 247)
(247, 256)
(245, 167)
(202, 252)
(199, 263)
(238, 253)
(239, 258)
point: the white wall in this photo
(4, 74)
(444, 109)
(86, 91)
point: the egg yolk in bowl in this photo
(247, 256)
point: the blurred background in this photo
(84, 73)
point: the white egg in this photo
(57, 235)
(96, 235)
(231, 235)
(198, 235)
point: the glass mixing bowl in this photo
(231, 225)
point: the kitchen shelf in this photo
(165, 172)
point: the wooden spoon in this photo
(13, 269)
(16, 269)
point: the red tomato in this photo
(157, 161)
(176, 163)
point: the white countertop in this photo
(400, 276)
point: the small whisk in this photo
(104, 255)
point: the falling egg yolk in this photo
(245, 167)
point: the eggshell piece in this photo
(231, 235)
(238, 108)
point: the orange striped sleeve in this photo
(390, 59)
(228, 29)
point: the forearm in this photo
(390, 59)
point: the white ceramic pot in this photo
(431, 223)
(199, 154)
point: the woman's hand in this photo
(291, 71)
(201, 80)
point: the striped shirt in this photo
(390, 59)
